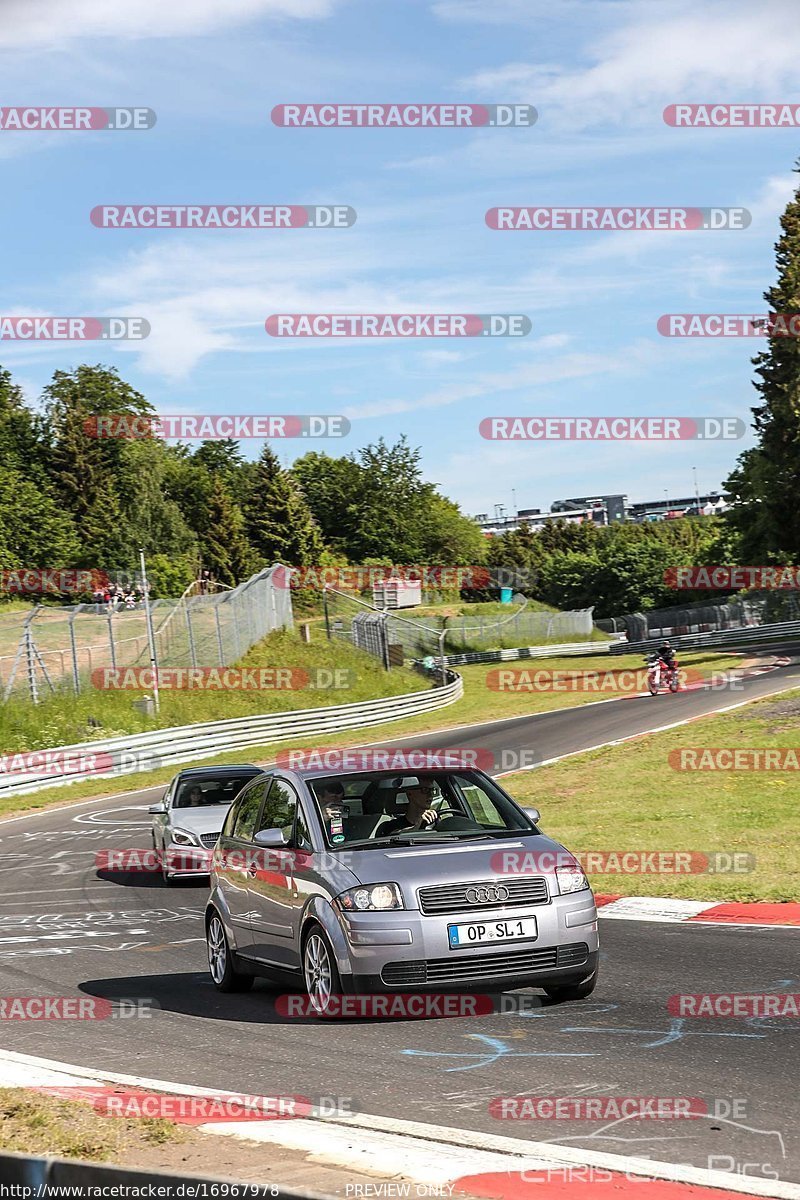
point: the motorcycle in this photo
(661, 674)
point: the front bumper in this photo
(394, 951)
(504, 975)
(187, 860)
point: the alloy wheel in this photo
(318, 973)
(217, 949)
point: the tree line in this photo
(70, 499)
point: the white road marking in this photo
(42, 812)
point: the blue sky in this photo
(599, 73)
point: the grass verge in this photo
(32, 1123)
(629, 797)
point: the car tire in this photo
(574, 991)
(224, 974)
(320, 972)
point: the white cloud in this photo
(531, 373)
(522, 12)
(204, 297)
(51, 22)
(438, 358)
(178, 341)
(775, 194)
(675, 51)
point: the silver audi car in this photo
(374, 881)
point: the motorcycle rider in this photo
(667, 655)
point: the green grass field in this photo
(629, 797)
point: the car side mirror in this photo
(157, 808)
(534, 814)
(270, 839)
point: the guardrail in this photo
(559, 651)
(749, 635)
(133, 753)
(48, 1178)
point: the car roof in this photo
(371, 772)
(235, 769)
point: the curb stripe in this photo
(762, 914)
(604, 1185)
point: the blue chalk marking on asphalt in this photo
(676, 1032)
(499, 1049)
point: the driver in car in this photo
(419, 814)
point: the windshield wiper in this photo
(419, 839)
(359, 845)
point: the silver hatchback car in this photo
(374, 881)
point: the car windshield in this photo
(381, 809)
(201, 793)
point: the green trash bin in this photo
(505, 595)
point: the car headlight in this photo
(570, 879)
(182, 837)
(375, 897)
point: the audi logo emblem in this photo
(489, 893)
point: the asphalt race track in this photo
(64, 930)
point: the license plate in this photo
(479, 933)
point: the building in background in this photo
(605, 510)
(534, 518)
(602, 510)
(670, 507)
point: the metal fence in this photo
(385, 635)
(755, 635)
(133, 753)
(49, 648)
(395, 638)
(492, 631)
(52, 1178)
(565, 649)
(755, 608)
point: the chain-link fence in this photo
(522, 628)
(395, 639)
(48, 649)
(755, 608)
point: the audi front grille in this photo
(445, 898)
(502, 965)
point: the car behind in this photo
(188, 819)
